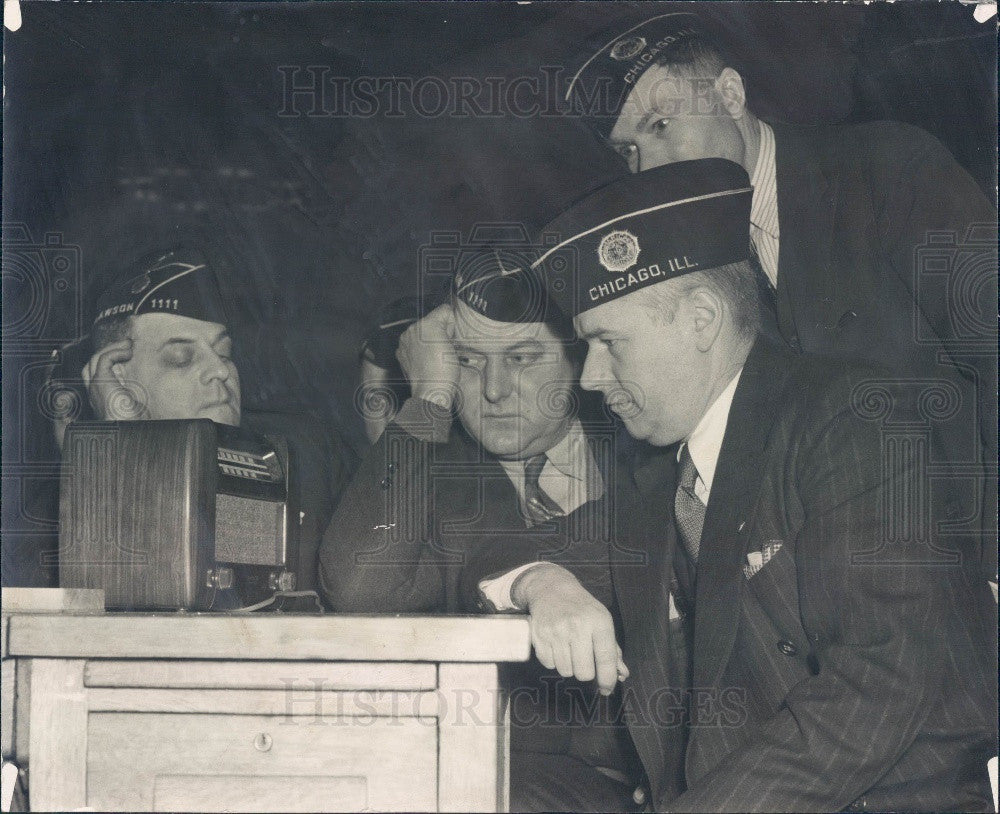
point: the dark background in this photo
(129, 124)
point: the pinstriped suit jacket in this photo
(856, 668)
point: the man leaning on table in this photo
(518, 463)
(835, 663)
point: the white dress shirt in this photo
(570, 478)
(705, 443)
(764, 229)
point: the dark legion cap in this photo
(646, 228)
(178, 281)
(501, 285)
(614, 61)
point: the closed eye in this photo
(223, 346)
(178, 355)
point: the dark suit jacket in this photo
(853, 669)
(423, 501)
(321, 468)
(877, 263)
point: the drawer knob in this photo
(263, 742)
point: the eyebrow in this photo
(597, 333)
(527, 344)
(646, 119)
(176, 340)
(185, 340)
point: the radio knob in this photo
(221, 578)
(283, 581)
(263, 742)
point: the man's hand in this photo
(428, 359)
(111, 399)
(570, 630)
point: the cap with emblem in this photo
(647, 228)
(501, 285)
(613, 61)
(178, 281)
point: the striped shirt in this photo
(764, 230)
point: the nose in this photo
(593, 371)
(497, 381)
(216, 369)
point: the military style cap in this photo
(646, 228)
(614, 61)
(379, 347)
(179, 281)
(501, 285)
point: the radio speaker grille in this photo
(249, 532)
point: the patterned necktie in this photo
(541, 508)
(689, 511)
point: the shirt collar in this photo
(573, 459)
(705, 443)
(764, 204)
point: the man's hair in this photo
(696, 57)
(736, 283)
(110, 330)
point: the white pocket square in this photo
(758, 559)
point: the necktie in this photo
(541, 508)
(689, 511)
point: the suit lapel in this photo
(806, 214)
(644, 536)
(645, 526)
(723, 540)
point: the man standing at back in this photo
(875, 245)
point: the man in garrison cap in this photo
(162, 350)
(518, 463)
(872, 239)
(839, 662)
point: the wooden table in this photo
(277, 712)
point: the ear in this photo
(708, 308)
(729, 86)
(118, 371)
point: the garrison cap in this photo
(178, 281)
(614, 60)
(501, 285)
(380, 346)
(646, 228)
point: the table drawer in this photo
(144, 761)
